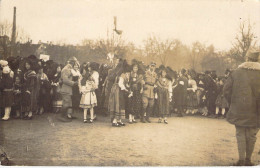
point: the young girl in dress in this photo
(88, 100)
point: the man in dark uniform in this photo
(242, 90)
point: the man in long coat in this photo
(242, 89)
(66, 91)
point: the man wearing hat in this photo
(242, 90)
(148, 96)
(66, 90)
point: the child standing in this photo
(88, 100)
(221, 102)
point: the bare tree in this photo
(5, 45)
(5, 34)
(157, 49)
(245, 40)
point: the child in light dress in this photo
(88, 100)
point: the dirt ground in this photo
(187, 141)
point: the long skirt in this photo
(135, 103)
(8, 98)
(88, 100)
(163, 102)
(76, 96)
(116, 104)
(107, 91)
(192, 102)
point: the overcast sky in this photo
(187, 20)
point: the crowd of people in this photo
(30, 86)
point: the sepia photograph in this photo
(130, 83)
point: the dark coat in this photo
(242, 90)
(180, 92)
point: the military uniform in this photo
(148, 96)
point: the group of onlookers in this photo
(31, 86)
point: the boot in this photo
(142, 120)
(63, 115)
(248, 163)
(7, 114)
(239, 163)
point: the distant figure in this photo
(242, 90)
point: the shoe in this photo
(160, 120)
(130, 122)
(239, 163)
(121, 124)
(134, 121)
(115, 125)
(248, 163)
(142, 120)
(90, 121)
(69, 116)
(5, 119)
(85, 121)
(28, 117)
(165, 121)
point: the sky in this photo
(71, 21)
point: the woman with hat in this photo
(136, 87)
(119, 91)
(164, 92)
(29, 90)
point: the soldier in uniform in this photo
(150, 78)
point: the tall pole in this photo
(13, 39)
